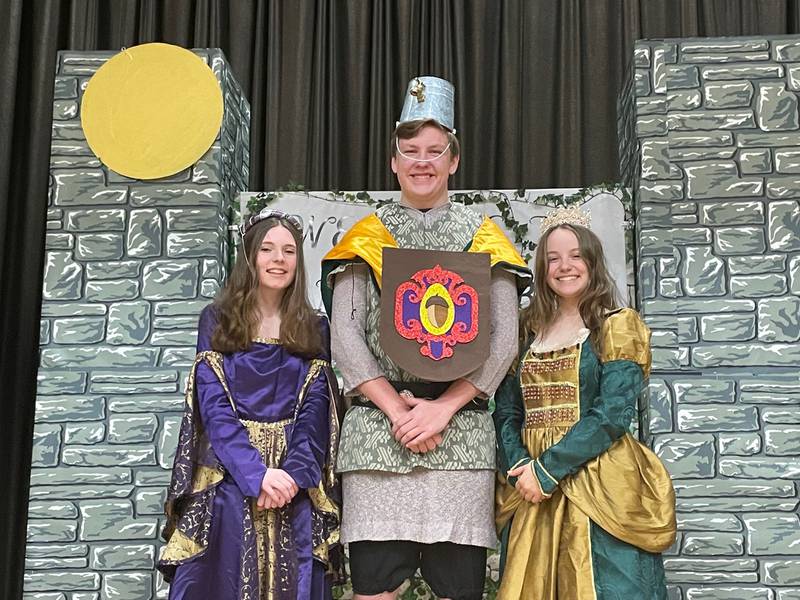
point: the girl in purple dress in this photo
(253, 506)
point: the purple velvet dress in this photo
(258, 406)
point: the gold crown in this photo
(569, 215)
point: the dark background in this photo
(536, 86)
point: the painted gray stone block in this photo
(44, 332)
(80, 492)
(758, 286)
(127, 586)
(175, 323)
(108, 456)
(153, 476)
(683, 77)
(684, 100)
(64, 110)
(753, 162)
(113, 520)
(690, 235)
(177, 337)
(746, 355)
(655, 163)
(670, 287)
(703, 273)
(170, 196)
(131, 429)
(739, 240)
(781, 440)
(67, 581)
(115, 269)
(181, 308)
(747, 139)
(784, 225)
(668, 266)
(149, 404)
(732, 213)
(111, 219)
(685, 305)
(79, 330)
(67, 131)
(209, 288)
(86, 434)
(116, 557)
(63, 277)
(123, 356)
(729, 593)
(794, 275)
(740, 444)
(46, 445)
(786, 51)
(70, 309)
(787, 161)
(793, 75)
(754, 265)
(211, 269)
(55, 564)
(56, 550)
(65, 87)
(720, 179)
(701, 139)
(778, 319)
(721, 488)
(178, 357)
(207, 169)
(727, 418)
(128, 323)
(732, 94)
(144, 233)
(170, 280)
(111, 290)
(660, 191)
(688, 331)
(664, 358)
(781, 572)
(654, 105)
(99, 246)
(783, 186)
(59, 241)
(690, 455)
(770, 389)
(642, 82)
(711, 578)
(664, 339)
(52, 530)
(60, 382)
(52, 510)
(788, 594)
(57, 409)
(85, 187)
(753, 467)
(772, 534)
(168, 440)
(739, 72)
(717, 544)
(710, 120)
(192, 219)
(707, 522)
(724, 45)
(776, 107)
(79, 475)
(76, 147)
(192, 244)
(724, 328)
(660, 406)
(702, 390)
(650, 125)
(150, 501)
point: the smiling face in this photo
(424, 184)
(276, 259)
(567, 273)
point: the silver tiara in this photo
(270, 213)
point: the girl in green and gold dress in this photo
(584, 509)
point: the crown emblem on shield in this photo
(438, 310)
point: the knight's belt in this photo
(425, 389)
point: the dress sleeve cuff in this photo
(547, 482)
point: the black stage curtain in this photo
(536, 85)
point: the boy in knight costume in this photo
(423, 299)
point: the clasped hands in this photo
(277, 489)
(527, 484)
(420, 422)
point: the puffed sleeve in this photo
(227, 435)
(509, 416)
(205, 328)
(625, 358)
(308, 446)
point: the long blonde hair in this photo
(237, 303)
(599, 297)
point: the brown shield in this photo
(435, 311)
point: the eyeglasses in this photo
(414, 159)
(270, 213)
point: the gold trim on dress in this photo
(266, 340)
(180, 547)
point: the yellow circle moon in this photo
(152, 111)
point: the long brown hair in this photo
(237, 304)
(599, 297)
